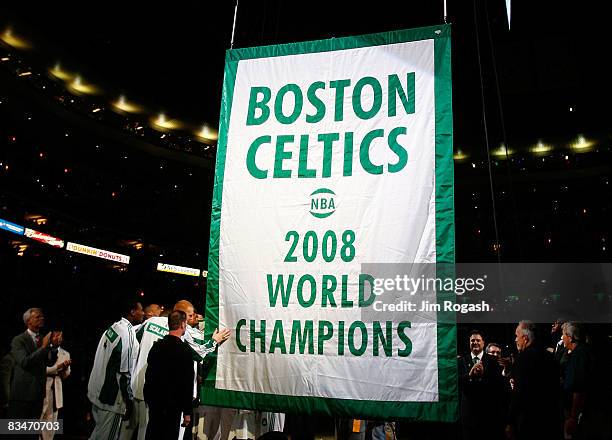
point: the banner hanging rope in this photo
(234, 25)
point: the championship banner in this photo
(332, 155)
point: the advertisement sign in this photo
(11, 227)
(44, 238)
(181, 270)
(100, 253)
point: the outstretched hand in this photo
(220, 336)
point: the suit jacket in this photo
(169, 377)
(534, 407)
(30, 370)
(483, 399)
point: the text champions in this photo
(322, 337)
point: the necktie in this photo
(475, 360)
(38, 341)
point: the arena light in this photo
(582, 145)
(14, 41)
(11, 227)
(541, 149)
(99, 253)
(21, 248)
(122, 105)
(460, 156)
(207, 133)
(502, 152)
(181, 270)
(136, 244)
(59, 73)
(44, 238)
(162, 123)
(36, 218)
(79, 87)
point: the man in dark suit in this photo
(579, 385)
(534, 406)
(168, 387)
(31, 353)
(483, 393)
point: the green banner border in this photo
(446, 408)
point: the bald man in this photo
(152, 310)
(195, 338)
(196, 335)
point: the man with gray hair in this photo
(577, 385)
(534, 405)
(32, 354)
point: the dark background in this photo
(98, 181)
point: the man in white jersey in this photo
(152, 330)
(195, 338)
(109, 389)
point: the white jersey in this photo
(154, 329)
(151, 331)
(195, 338)
(115, 357)
(200, 349)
